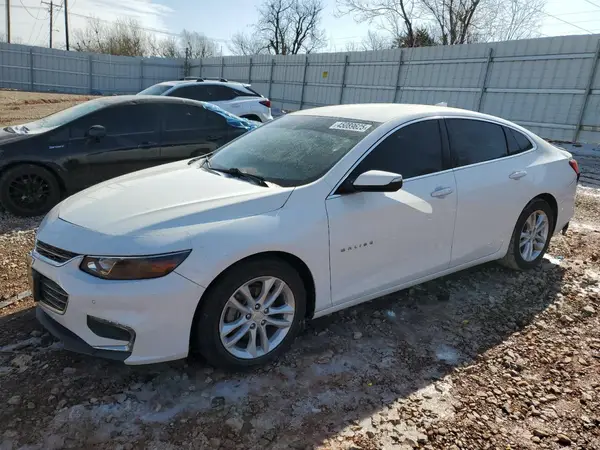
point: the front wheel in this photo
(28, 190)
(251, 315)
(531, 236)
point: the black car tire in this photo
(205, 332)
(49, 193)
(513, 258)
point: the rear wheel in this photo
(28, 190)
(251, 315)
(531, 236)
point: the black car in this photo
(43, 161)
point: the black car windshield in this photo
(68, 115)
(157, 89)
(293, 150)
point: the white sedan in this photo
(312, 213)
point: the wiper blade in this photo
(240, 174)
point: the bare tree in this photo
(421, 38)
(167, 48)
(285, 27)
(199, 45)
(247, 44)
(454, 19)
(371, 42)
(395, 16)
(123, 37)
(517, 19)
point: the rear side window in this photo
(188, 117)
(411, 151)
(222, 93)
(475, 141)
(241, 93)
(517, 142)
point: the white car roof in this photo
(233, 84)
(386, 112)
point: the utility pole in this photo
(8, 21)
(51, 6)
(66, 24)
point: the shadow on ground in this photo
(345, 370)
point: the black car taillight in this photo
(266, 103)
(575, 166)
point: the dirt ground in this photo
(484, 359)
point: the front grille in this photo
(52, 294)
(55, 254)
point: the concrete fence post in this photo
(485, 78)
(343, 80)
(31, 71)
(588, 91)
(400, 62)
(303, 82)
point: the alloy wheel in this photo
(257, 317)
(29, 191)
(534, 235)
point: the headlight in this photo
(132, 268)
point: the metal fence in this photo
(550, 85)
(44, 69)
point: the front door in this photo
(132, 141)
(379, 240)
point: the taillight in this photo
(266, 103)
(575, 166)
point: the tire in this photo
(44, 194)
(514, 259)
(215, 307)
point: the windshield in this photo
(157, 89)
(67, 115)
(293, 150)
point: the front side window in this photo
(293, 150)
(411, 151)
(475, 141)
(194, 92)
(119, 120)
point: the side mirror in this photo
(377, 181)
(96, 132)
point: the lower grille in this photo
(52, 294)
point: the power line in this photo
(25, 8)
(568, 23)
(592, 3)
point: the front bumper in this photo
(158, 312)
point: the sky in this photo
(221, 19)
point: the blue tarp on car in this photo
(233, 120)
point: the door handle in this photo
(441, 192)
(147, 144)
(517, 175)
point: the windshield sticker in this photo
(350, 126)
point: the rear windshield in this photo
(293, 150)
(157, 89)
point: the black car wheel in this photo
(28, 190)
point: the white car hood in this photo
(159, 207)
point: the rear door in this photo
(190, 130)
(493, 185)
(131, 142)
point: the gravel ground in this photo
(486, 358)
